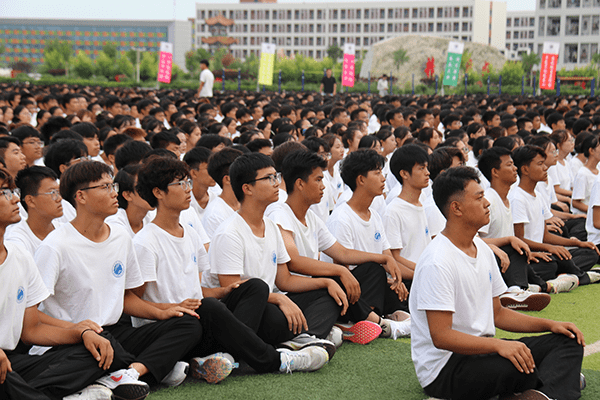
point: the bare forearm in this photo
(299, 284)
(48, 335)
(217, 293)
(503, 241)
(551, 238)
(513, 321)
(137, 307)
(47, 320)
(312, 267)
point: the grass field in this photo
(383, 369)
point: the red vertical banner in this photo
(165, 62)
(348, 66)
(548, 67)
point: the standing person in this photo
(207, 79)
(328, 84)
(383, 85)
(456, 308)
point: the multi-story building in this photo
(25, 39)
(520, 33)
(311, 28)
(575, 24)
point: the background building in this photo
(520, 33)
(311, 28)
(25, 39)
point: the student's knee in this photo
(255, 287)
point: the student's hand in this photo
(569, 330)
(229, 288)
(517, 353)
(589, 245)
(556, 221)
(560, 252)
(88, 324)
(99, 347)
(175, 311)
(504, 260)
(537, 255)
(338, 295)
(351, 284)
(190, 304)
(5, 366)
(296, 321)
(399, 288)
(392, 268)
(520, 246)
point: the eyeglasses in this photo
(465, 150)
(107, 187)
(273, 178)
(36, 143)
(555, 153)
(9, 193)
(185, 184)
(325, 156)
(79, 159)
(54, 194)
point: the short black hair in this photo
(587, 144)
(63, 151)
(29, 180)
(25, 131)
(283, 150)
(450, 184)
(79, 176)
(111, 144)
(313, 143)
(126, 180)
(85, 129)
(244, 170)
(162, 140)
(220, 162)
(159, 172)
(359, 163)
(197, 156)
(440, 160)
(490, 159)
(210, 141)
(132, 152)
(525, 154)
(257, 144)
(205, 62)
(554, 118)
(405, 158)
(300, 165)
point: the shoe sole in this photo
(535, 302)
(213, 370)
(130, 392)
(527, 395)
(329, 347)
(398, 316)
(362, 332)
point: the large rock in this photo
(379, 59)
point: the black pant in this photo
(59, 372)
(520, 273)
(558, 365)
(158, 345)
(222, 331)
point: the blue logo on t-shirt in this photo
(118, 269)
(274, 258)
(377, 236)
(194, 259)
(427, 231)
(20, 294)
(490, 275)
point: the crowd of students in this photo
(150, 234)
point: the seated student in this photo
(226, 204)
(499, 169)
(89, 269)
(456, 307)
(197, 161)
(592, 224)
(583, 181)
(10, 152)
(529, 214)
(31, 143)
(89, 132)
(172, 258)
(40, 198)
(356, 226)
(133, 212)
(305, 235)
(405, 221)
(249, 245)
(43, 377)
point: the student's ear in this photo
(62, 168)
(525, 170)
(360, 180)
(247, 189)
(226, 180)
(111, 159)
(404, 175)
(494, 173)
(159, 194)
(455, 208)
(127, 195)
(29, 200)
(299, 184)
(194, 173)
(80, 197)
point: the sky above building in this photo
(147, 9)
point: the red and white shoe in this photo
(362, 332)
(125, 384)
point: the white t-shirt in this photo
(276, 204)
(547, 190)
(216, 212)
(530, 211)
(435, 219)
(335, 181)
(322, 208)
(352, 232)
(69, 213)
(501, 219)
(235, 250)
(87, 280)
(574, 165)
(561, 175)
(190, 218)
(593, 233)
(209, 79)
(406, 228)
(310, 239)
(120, 219)
(22, 287)
(196, 207)
(582, 187)
(446, 279)
(22, 234)
(378, 203)
(170, 265)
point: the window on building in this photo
(415, 13)
(554, 3)
(335, 14)
(573, 3)
(572, 28)
(508, 34)
(531, 34)
(357, 28)
(431, 13)
(465, 26)
(585, 25)
(571, 53)
(414, 27)
(553, 26)
(586, 3)
(406, 13)
(289, 14)
(367, 13)
(455, 27)
(430, 27)
(343, 14)
(381, 27)
(382, 13)
(358, 12)
(532, 21)
(595, 24)
(542, 4)
(319, 28)
(390, 28)
(508, 22)
(405, 27)
(439, 27)
(440, 12)
(456, 12)
(357, 41)
(517, 22)
(319, 41)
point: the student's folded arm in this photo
(36, 332)
(287, 282)
(513, 321)
(136, 307)
(578, 204)
(520, 233)
(406, 266)
(227, 282)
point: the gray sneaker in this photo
(395, 329)
(564, 283)
(307, 359)
(177, 374)
(336, 336)
(594, 276)
(92, 392)
(304, 340)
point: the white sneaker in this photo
(304, 340)
(594, 276)
(125, 384)
(395, 329)
(534, 288)
(398, 315)
(308, 359)
(564, 283)
(177, 374)
(92, 392)
(525, 300)
(336, 336)
(213, 368)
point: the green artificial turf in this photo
(383, 368)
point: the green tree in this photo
(596, 61)
(83, 66)
(149, 66)
(334, 52)
(124, 66)
(57, 55)
(400, 57)
(110, 50)
(105, 66)
(192, 60)
(53, 61)
(512, 73)
(528, 61)
(466, 56)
